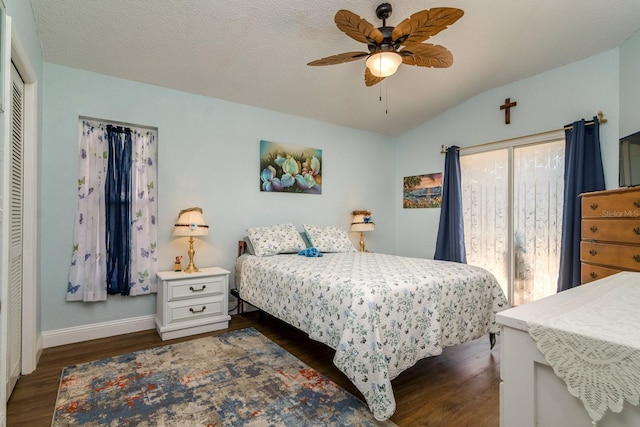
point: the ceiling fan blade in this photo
(357, 28)
(370, 79)
(424, 24)
(427, 55)
(339, 58)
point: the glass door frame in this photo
(510, 145)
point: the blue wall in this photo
(546, 102)
(208, 157)
(630, 85)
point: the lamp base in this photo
(191, 268)
(362, 241)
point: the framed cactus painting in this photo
(290, 168)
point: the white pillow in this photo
(275, 239)
(329, 239)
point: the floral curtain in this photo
(88, 271)
(144, 208)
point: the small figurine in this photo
(177, 266)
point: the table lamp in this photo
(362, 222)
(191, 223)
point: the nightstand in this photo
(192, 303)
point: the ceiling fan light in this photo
(384, 64)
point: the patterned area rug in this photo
(240, 378)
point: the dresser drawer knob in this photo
(593, 252)
(198, 290)
(637, 258)
(594, 206)
(593, 274)
(593, 228)
(637, 230)
(198, 311)
(636, 203)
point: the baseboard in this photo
(97, 330)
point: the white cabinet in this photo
(531, 395)
(192, 303)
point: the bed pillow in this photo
(328, 239)
(275, 239)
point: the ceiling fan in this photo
(391, 46)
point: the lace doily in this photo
(592, 344)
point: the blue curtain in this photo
(118, 200)
(583, 172)
(450, 243)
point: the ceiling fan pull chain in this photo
(386, 97)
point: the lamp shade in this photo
(384, 64)
(191, 223)
(362, 221)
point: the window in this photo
(512, 206)
(115, 231)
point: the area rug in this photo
(240, 378)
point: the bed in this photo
(380, 313)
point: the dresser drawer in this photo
(195, 288)
(616, 256)
(611, 230)
(181, 311)
(591, 272)
(614, 205)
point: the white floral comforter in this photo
(381, 313)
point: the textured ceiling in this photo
(255, 52)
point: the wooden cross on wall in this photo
(506, 107)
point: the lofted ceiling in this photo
(255, 52)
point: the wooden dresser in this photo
(610, 233)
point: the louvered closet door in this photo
(14, 343)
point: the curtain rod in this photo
(601, 120)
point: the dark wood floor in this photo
(456, 389)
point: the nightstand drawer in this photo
(195, 288)
(191, 310)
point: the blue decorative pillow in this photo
(310, 252)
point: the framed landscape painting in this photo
(422, 191)
(290, 168)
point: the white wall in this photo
(208, 157)
(546, 102)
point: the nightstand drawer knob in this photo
(593, 274)
(593, 228)
(637, 258)
(636, 230)
(594, 206)
(637, 203)
(593, 252)
(198, 311)
(198, 290)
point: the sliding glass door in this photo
(512, 203)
